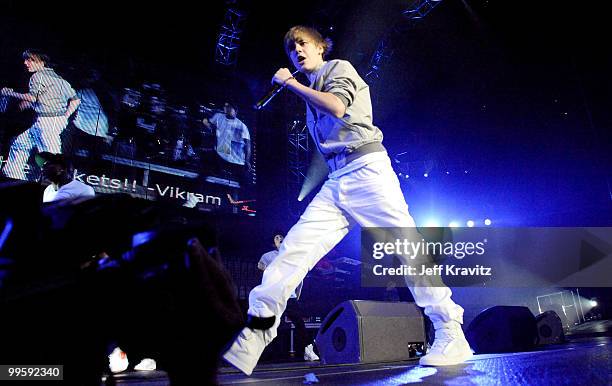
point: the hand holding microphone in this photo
(279, 81)
(282, 76)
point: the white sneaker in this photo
(146, 364)
(309, 354)
(246, 350)
(449, 348)
(118, 361)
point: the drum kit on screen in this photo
(162, 132)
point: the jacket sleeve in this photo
(341, 81)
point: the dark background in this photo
(515, 93)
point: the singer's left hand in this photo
(281, 76)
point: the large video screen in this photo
(134, 138)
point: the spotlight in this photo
(407, 176)
(426, 175)
(470, 223)
(400, 174)
(487, 222)
(453, 224)
(432, 223)
(593, 303)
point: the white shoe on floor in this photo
(146, 364)
(246, 350)
(118, 361)
(309, 354)
(449, 348)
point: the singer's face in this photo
(306, 55)
(33, 65)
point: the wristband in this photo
(287, 80)
(256, 323)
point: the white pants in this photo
(369, 196)
(44, 135)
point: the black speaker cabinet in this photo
(502, 329)
(362, 331)
(550, 328)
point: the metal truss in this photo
(415, 12)
(299, 152)
(382, 55)
(420, 8)
(228, 43)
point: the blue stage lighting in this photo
(432, 223)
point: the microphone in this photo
(271, 94)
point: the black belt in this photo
(338, 161)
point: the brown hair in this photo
(298, 31)
(37, 55)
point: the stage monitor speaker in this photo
(560, 311)
(550, 328)
(502, 329)
(362, 331)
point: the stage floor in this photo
(584, 361)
